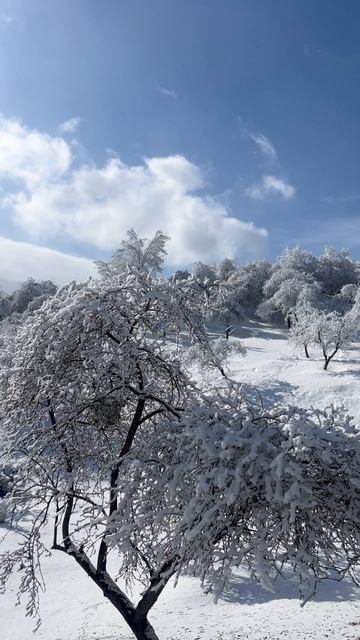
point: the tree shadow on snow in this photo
(243, 590)
(270, 394)
(260, 330)
(243, 329)
(346, 372)
(268, 335)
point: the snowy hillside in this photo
(74, 609)
(281, 372)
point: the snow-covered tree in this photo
(248, 281)
(29, 292)
(5, 306)
(291, 277)
(225, 308)
(232, 291)
(140, 254)
(302, 329)
(90, 377)
(348, 296)
(204, 273)
(142, 474)
(291, 289)
(334, 270)
(180, 275)
(219, 299)
(225, 269)
(323, 277)
(333, 332)
(330, 331)
(28, 297)
(214, 354)
(123, 456)
(297, 259)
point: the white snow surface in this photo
(73, 608)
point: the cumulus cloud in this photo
(30, 156)
(271, 186)
(22, 260)
(69, 126)
(96, 205)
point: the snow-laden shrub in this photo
(348, 293)
(215, 355)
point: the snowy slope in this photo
(283, 373)
(74, 609)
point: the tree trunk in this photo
(139, 625)
(330, 357)
(143, 630)
(137, 620)
(306, 351)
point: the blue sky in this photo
(233, 125)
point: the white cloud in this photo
(271, 186)
(69, 126)
(29, 156)
(167, 92)
(265, 145)
(96, 205)
(21, 260)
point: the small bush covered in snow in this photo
(215, 355)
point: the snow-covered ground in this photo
(74, 609)
(284, 374)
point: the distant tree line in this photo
(317, 296)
